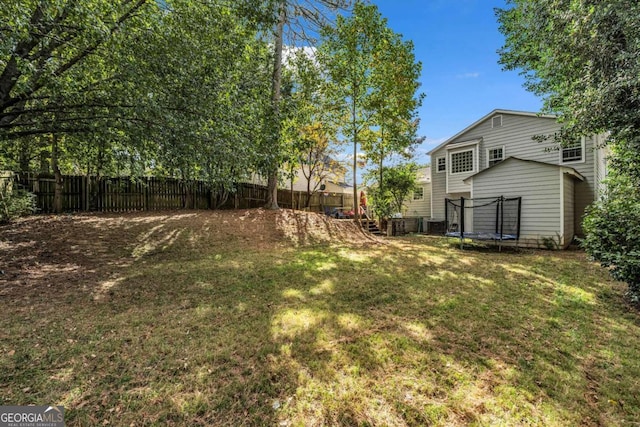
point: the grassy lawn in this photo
(411, 332)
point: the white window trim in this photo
(474, 161)
(495, 117)
(445, 164)
(414, 194)
(584, 154)
(457, 145)
(504, 155)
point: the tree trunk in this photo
(293, 199)
(59, 180)
(356, 210)
(272, 191)
(381, 156)
(380, 185)
(272, 181)
(24, 157)
(308, 204)
(94, 188)
(45, 162)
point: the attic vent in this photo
(496, 122)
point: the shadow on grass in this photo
(172, 344)
(407, 333)
(523, 337)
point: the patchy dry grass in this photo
(413, 332)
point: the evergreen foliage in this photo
(583, 58)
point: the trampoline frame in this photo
(498, 236)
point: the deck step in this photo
(371, 227)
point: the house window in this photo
(573, 153)
(462, 161)
(496, 121)
(418, 193)
(442, 164)
(495, 156)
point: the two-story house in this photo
(497, 156)
(328, 177)
(418, 204)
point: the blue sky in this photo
(457, 43)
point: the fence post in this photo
(145, 194)
(461, 223)
(118, 194)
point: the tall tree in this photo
(55, 80)
(205, 94)
(307, 128)
(274, 151)
(347, 53)
(44, 47)
(394, 101)
(175, 84)
(582, 57)
(374, 77)
(296, 21)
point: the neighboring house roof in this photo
(565, 169)
(341, 184)
(491, 114)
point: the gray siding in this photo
(569, 206)
(515, 135)
(600, 167)
(419, 208)
(484, 216)
(438, 188)
(539, 187)
(468, 213)
(585, 190)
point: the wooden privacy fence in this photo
(105, 194)
(317, 202)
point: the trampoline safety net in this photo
(492, 218)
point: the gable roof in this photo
(493, 113)
(564, 169)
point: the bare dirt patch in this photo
(53, 253)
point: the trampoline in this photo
(472, 235)
(494, 219)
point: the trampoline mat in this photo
(482, 236)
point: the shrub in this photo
(381, 202)
(16, 203)
(612, 229)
